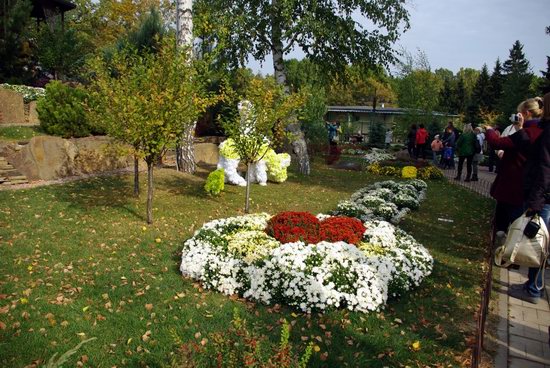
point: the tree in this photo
(147, 101)
(517, 82)
(495, 86)
(14, 46)
(544, 86)
(266, 108)
(326, 32)
(61, 51)
(185, 151)
(480, 97)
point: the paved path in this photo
(522, 334)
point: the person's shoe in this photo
(475, 179)
(467, 180)
(457, 178)
(517, 287)
(523, 295)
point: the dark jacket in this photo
(536, 178)
(411, 137)
(508, 185)
(465, 145)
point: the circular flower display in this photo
(235, 256)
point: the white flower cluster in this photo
(376, 155)
(306, 276)
(29, 93)
(352, 151)
(387, 200)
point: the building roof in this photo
(38, 7)
(379, 110)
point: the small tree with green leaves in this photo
(265, 111)
(147, 101)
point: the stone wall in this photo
(12, 108)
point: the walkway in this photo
(523, 328)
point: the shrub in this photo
(215, 182)
(61, 111)
(409, 172)
(430, 172)
(288, 227)
(337, 228)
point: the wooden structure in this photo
(45, 9)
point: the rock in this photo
(206, 153)
(50, 158)
(12, 108)
(33, 115)
(348, 165)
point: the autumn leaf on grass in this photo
(149, 307)
(415, 346)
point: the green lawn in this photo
(79, 261)
(19, 133)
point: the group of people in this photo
(522, 184)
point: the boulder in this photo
(206, 153)
(33, 115)
(12, 108)
(50, 158)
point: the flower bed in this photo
(376, 155)
(236, 256)
(387, 200)
(29, 93)
(424, 172)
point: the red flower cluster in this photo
(339, 228)
(290, 226)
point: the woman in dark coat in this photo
(465, 150)
(507, 187)
(536, 183)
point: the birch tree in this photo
(185, 151)
(330, 33)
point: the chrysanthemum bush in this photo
(388, 200)
(233, 256)
(376, 155)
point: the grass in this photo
(19, 133)
(78, 261)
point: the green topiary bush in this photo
(61, 111)
(215, 182)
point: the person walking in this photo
(437, 149)
(421, 141)
(449, 140)
(478, 155)
(465, 149)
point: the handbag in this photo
(521, 249)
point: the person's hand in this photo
(500, 153)
(521, 120)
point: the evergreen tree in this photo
(495, 86)
(447, 98)
(480, 97)
(517, 82)
(15, 51)
(460, 98)
(545, 83)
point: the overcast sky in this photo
(469, 33)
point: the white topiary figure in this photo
(229, 161)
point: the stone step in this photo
(5, 167)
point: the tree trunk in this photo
(136, 175)
(185, 152)
(247, 195)
(299, 146)
(150, 166)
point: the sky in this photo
(469, 33)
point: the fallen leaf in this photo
(149, 307)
